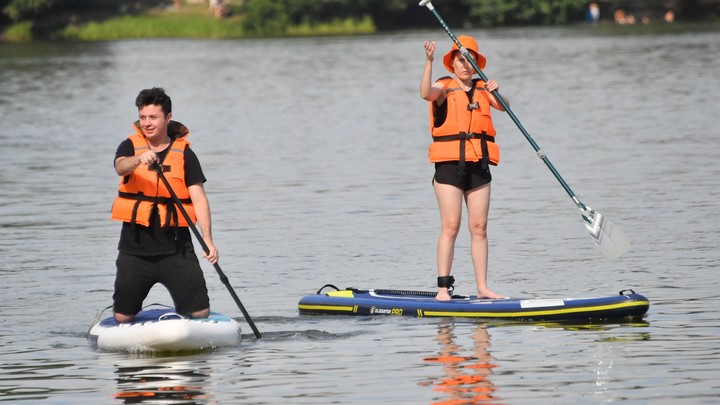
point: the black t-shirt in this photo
(153, 240)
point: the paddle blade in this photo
(609, 238)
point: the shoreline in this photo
(192, 21)
(196, 21)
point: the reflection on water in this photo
(162, 381)
(468, 373)
(466, 378)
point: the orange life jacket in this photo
(142, 191)
(467, 134)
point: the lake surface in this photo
(315, 151)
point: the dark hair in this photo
(154, 96)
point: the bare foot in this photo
(443, 295)
(487, 293)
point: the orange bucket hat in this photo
(468, 43)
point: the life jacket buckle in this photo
(163, 168)
(473, 106)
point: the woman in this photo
(463, 148)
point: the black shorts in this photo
(179, 273)
(474, 177)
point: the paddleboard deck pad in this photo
(161, 329)
(353, 301)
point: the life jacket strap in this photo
(463, 136)
(158, 200)
(171, 208)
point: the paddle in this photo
(223, 277)
(608, 237)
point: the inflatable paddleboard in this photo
(352, 301)
(162, 329)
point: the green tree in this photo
(273, 16)
(487, 13)
(265, 16)
(22, 9)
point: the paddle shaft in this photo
(536, 147)
(205, 247)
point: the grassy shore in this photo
(196, 21)
(191, 21)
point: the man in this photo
(155, 243)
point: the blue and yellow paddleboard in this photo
(352, 301)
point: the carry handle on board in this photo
(608, 237)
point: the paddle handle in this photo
(206, 249)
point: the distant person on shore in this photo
(669, 16)
(622, 18)
(219, 8)
(593, 13)
(463, 147)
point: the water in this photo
(315, 151)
